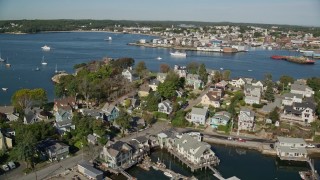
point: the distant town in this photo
(111, 114)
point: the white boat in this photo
(8, 64)
(249, 70)
(221, 68)
(159, 58)
(37, 69)
(109, 39)
(1, 60)
(168, 174)
(269, 48)
(4, 89)
(43, 62)
(155, 168)
(180, 54)
(45, 48)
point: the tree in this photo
(167, 89)
(269, 94)
(123, 120)
(217, 76)
(179, 119)
(193, 67)
(164, 68)
(267, 78)
(141, 68)
(28, 97)
(257, 34)
(285, 80)
(226, 75)
(314, 83)
(127, 103)
(151, 103)
(148, 118)
(274, 115)
(203, 73)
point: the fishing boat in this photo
(4, 89)
(178, 54)
(46, 48)
(159, 58)
(109, 39)
(43, 62)
(8, 64)
(168, 174)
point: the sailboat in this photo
(1, 60)
(159, 58)
(8, 64)
(43, 62)
(109, 39)
(4, 89)
(58, 72)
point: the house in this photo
(153, 84)
(198, 115)
(238, 82)
(222, 85)
(5, 142)
(161, 77)
(303, 113)
(95, 113)
(63, 115)
(92, 139)
(299, 87)
(109, 111)
(252, 94)
(165, 107)
(144, 90)
(246, 120)
(220, 119)
(194, 81)
(291, 149)
(211, 98)
(266, 109)
(53, 150)
(194, 151)
(89, 171)
(31, 115)
(9, 112)
(129, 75)
(257, 83)
(290, 98)
(64, 126)
(166, 139)
(67, 104)
(116, 154)
(181, 71)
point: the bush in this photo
(242, 103)
(160, 115)
(257, 105)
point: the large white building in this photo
(291, 148)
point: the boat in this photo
(46, 48)
(43, 62)
(8, 64)
(37, 69)
(159, 58)
(4, 89)
(277, 57)
(155, 168)
(249, 70)
(168, 174)
(294, 59)
(178, 54)
(109, 39)
(1, 60)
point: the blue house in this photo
(220, 118)
(110, 112)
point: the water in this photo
(25, 54)
(249, 166)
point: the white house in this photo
(165, 107)
(246, 120)
(291, 148)
(198, 115)
(130, 75)
(252, 94)
(303, 113)
(299, 87)
(290, 98)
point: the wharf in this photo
(159, 166)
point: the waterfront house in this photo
(144, 90)
(196, 152)
(198, 115)
(31, 115)
(116, 154)
(299, 87)
(211, 98)
(303, 113)
(165, 107)
(166, 139)
(252, 94)
(289, 98)
(291, 149)
(220, 119)
(63, 115)
(246, 120)
(129, 75)
(194, 81)
(161, 77)
(110, 111)
(257, 83)
(89, 171)
(238, 82)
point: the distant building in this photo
(299, 87)
(129, 75)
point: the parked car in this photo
(5, 167)
(241, 140)
(310, 146)
(230, 138)
(12, 165)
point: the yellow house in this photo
(211, 98)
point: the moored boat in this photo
(277, 57)
(168, 174)
(178, 54)
(294, 59)
(4, 89)
(46, 48)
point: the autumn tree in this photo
(141, 68)
(164, 68)
(24, 98)
(217, 76)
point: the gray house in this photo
(291, 148)
(198, 115)
(165, 107)
(299, 87)
(246, 120)
(129, 75)
(117, 154)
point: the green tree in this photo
(314, 83)
(274, 115)
(226, 75)
(285, 80)
(151, 103)
(28, 97)
(141, 68)
(167, 89)
(269, 94)
(193, 67)
(179, 119)
(203, 73)
(123, 120)
(217, 76)
(257, 34)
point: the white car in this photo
(5, 167)
(310, 146)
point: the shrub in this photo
(257, 105)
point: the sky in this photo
(292, 12)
